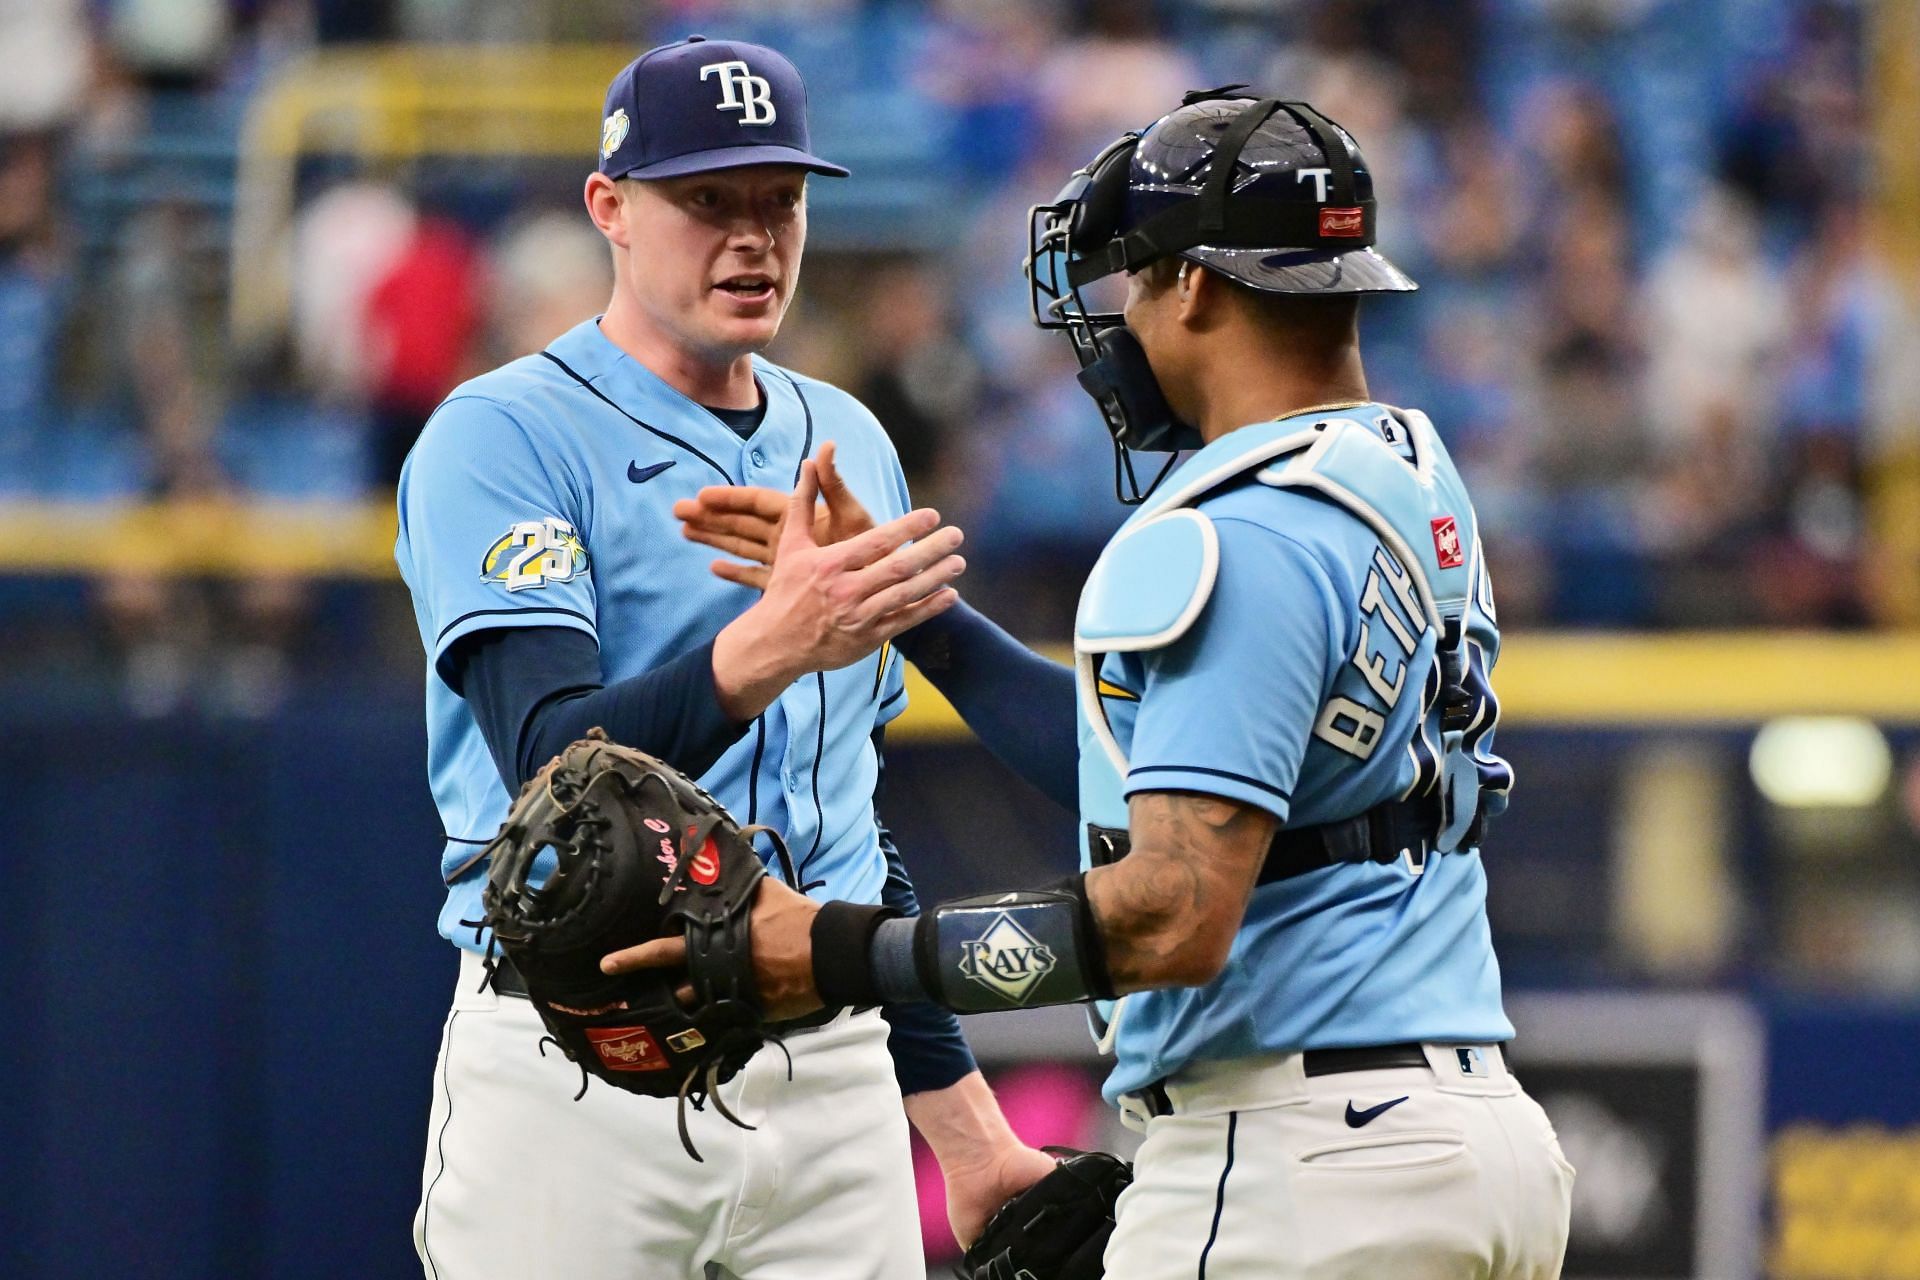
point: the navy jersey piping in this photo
(820, 679)
(753, 773)
(806, 444)
(1214, 773)
(483, 613)
(670, 439)
(819, 749)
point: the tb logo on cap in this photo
(742, 91)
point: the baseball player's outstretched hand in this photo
(826, 607)
(781, 928)
(746, 520)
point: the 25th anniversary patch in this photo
(534, 553)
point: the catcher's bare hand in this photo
(826, 607)
(746, 520)
(976, 1191)
(781, 930)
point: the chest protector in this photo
(1154, 578)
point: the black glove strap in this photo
(720, 945)
(842, 971)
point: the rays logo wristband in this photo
(972, 955)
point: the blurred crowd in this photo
(1649, 346)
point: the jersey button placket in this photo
(758, 458)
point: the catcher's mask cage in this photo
(1189, 186)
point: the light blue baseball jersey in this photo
(1306, 686)
(540, 495)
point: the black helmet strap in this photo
(1250, 222)
(1226, 158)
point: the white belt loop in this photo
(1239, 1084)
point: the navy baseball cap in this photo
(703, 104)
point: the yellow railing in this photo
(1544, 677)
(198, 539)
(1693, 679)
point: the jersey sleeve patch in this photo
(1149, 585)
(533, 553)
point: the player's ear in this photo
(1196, 294)
(607, 207)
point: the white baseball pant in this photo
(521, 1180)
(1260, 1171)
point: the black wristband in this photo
(842, 973)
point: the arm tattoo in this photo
(1168, 911)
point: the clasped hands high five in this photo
(834, 586)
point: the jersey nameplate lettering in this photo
(1351, 726)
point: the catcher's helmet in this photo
(1267, 192)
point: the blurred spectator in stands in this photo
(1120, 73)
(918, 377)
(168, 351)
(1472, 207)
(167, 44)
(1796, 139)
(1357, 87)
(1436, 44)
(1763, 154)
(550, 272)
(1716, 319)
(423, 320)
(388, 309)
(982, 61)
(33, 288)
(48, 55)
(345, 241)
(1572, 132)
(1590, 431)
(1812, 572)
(1041, 463)
(1581, 428)
(222, 644)
(1031, 477)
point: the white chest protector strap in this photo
(1154, 578)
(1422, 514)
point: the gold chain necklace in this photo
(1320, 408)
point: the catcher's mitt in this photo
(608, 847)
(1057, 1228)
